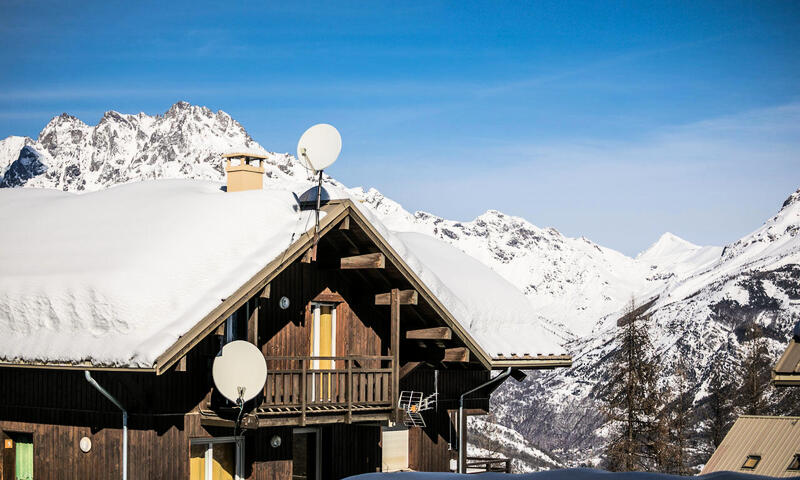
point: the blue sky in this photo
(615, 121)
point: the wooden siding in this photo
(349, 450)
(360, 326)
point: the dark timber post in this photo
(395, 349)
(252, 322)
(349, 391)
(303, 392)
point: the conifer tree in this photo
(719, 408)
(755, 372)
(631, 400)
(677, 450)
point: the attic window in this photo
(795, 465)
(751, 462)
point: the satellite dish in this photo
(319, 146)
(240, 371)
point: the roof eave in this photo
(539, 362)
(785, 379)
(76, 366)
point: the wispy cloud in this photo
(710, 181)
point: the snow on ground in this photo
(115, 277)
(559, 474)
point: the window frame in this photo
(209, 455)
(317, 447)
(315, 313)
(757, 459)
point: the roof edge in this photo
(258, 281)
(76, 366)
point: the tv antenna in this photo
(319, 147)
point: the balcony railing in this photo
(345, 384)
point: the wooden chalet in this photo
(345, 325)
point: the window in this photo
(306, 454)
(219, 458)
(21, 445)
(795, 465)
(751, 462)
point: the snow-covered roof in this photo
(116, 277)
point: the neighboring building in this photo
(135, 289)
(787, 371)
(759, 445)
(765, 445)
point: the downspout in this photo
(113, 400)
(462, 434)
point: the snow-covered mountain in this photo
(184, 142)
(701, 296)
(698, 319)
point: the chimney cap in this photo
(243, 155)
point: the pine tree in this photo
(720, 408)
(679, 421)
(631, 400)
(755, 372)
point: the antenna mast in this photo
(319, 146)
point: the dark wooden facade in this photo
(59, 407)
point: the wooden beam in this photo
(252, 322)
(345, 223)
(249, 422)
(408, 367)
(407, 297)
(368, 260)
(395, 349)
(323, 419)
(458, 354)
(181, 365)
(328, 296)
(266, 292)
(435, 333)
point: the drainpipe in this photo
(462, 424)
(113, 400)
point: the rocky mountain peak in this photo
(184, 142)
(793, 199)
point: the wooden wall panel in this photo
(360, 326)
(350, 450)
(429, 448)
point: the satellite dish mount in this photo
(239, 373)
(319, 147)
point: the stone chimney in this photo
(245, 171)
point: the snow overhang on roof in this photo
(115, 278)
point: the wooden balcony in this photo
(327, 389)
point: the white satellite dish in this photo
(319, 146)
(240, 371)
